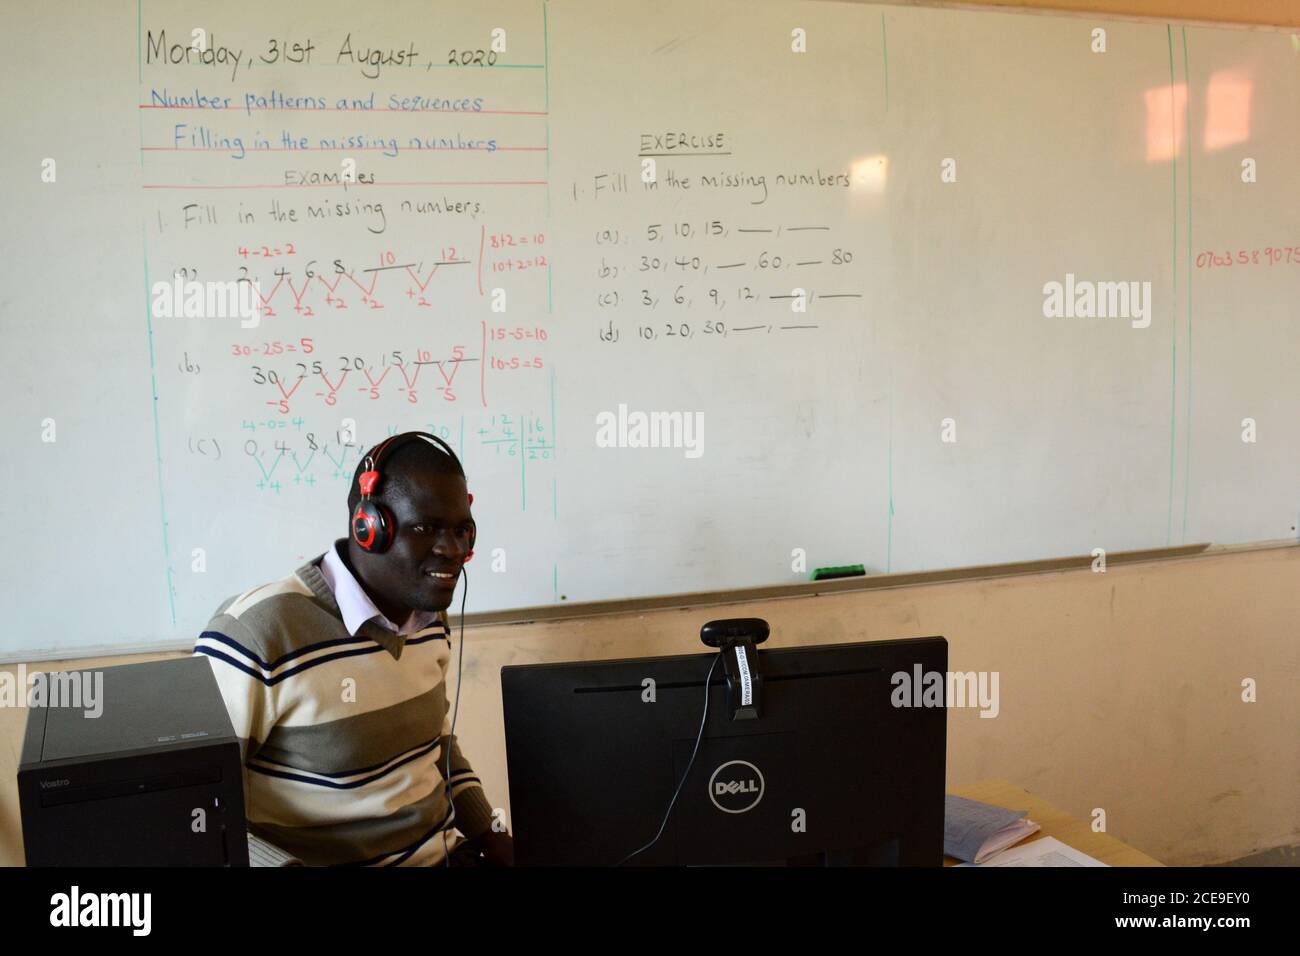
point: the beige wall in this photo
(1119, 690)
(1255, 12)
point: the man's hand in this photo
(498, 848)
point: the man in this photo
(335, 679)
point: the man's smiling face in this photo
(433, 535)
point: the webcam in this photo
(737, 639)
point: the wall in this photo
(1118, 690)
(1257, 12)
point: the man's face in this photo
(432, 538)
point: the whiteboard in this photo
(837, 269)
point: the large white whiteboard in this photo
(823, 430)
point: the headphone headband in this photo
(377, 453)
(372, 525)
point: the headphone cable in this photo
(455, 710)
(700, 736)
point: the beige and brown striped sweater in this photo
(342, 736)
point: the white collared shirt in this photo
(355, 604)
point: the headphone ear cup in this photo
(371, 528)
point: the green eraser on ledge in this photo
(844, 571)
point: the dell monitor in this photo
(832, 766)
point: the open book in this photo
(1048, 851)
(261, 853)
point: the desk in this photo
(1055, 823)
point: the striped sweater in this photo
(342, 737)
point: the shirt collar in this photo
(355, 605)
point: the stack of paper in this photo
(974, 831)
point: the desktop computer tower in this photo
(154, 780)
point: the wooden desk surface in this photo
(1055, 823)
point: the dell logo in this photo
(736, 786)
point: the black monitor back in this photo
(832, 774)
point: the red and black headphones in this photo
(373, 527)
